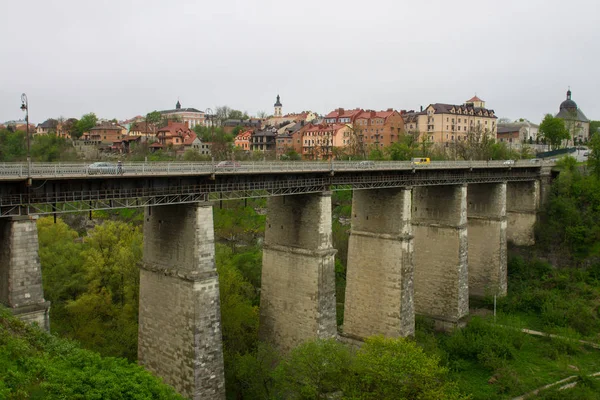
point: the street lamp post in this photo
(25, 107)
(208, 115)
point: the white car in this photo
(509, 162)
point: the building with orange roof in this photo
(242, 140)
(379, 128)
(173, 134)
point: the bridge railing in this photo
(20, 170)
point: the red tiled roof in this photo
(189, 139)
(474, 99)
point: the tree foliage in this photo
(87, 122)
(553, 130)
(93, 284)
(50, 148)
(36, 365)
(593, 161)
(12, 145)
(383, 368)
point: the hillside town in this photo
(339, 134)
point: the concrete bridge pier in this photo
(486, 212)
(180, 317)
(522, 204)
(297, 300)
(20, 271)
(379, 288)
(440, 253)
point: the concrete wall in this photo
(297, 299)
(179, 318)
(522, 204)
(20, 271)
(440, 252)
(379, 280)
(486, 209)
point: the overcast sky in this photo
(122, 58)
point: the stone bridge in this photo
(423, 239)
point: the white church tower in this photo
(277, 108)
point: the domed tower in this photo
(575, 120)
(568, 104)
(277, 108)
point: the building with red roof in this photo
(379, 129)
(242, 140)
(342, 116)
(174, 133)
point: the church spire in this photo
(178, 105)
(278, 106)
(569, 93)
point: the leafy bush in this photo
(34, 364)
(480, 341)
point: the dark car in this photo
(104, 168)
(225, 165)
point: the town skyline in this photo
(127, 58)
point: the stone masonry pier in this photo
(379, 288)
(20, 271)
(180, 317)
(297, 300)
(441, 269)
(522, 204)
(486, 212)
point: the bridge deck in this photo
(76, 187)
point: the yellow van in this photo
(420, 160)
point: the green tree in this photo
(154, 118)
(48, 148)
(104, 318)
(594, 127)
(553, 130)
(313, 370)
(386, 368)
(12, 146)
(594, 154)
(87, 122)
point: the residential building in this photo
(508, 134)
(124, 145)
(142, 129)
(264, 140)
(242, 140)
(290, 139)
(575, 120)
(47, 127)
(106, 133)
(190, 115)
(230, 124)
(379, 128)
(341, 116)
(173, 134)
(445, 124)
(193, 142)
(527, 131)
(319, 140)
